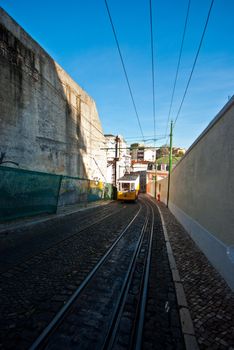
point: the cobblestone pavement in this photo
(17, 243)
(32, 292)
(86, 325)
(162, 329)
(20, 222)
(210, 300)
(35, 290)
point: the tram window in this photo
(125, 186)
(132, 187)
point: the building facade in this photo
(140, 153)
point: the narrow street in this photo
(48, 262)
(116, 175)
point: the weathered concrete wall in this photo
(47, 122)
(202, 192)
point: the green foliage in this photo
(165, 160)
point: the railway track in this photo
(33, 292)
(105, 288)
(112, 297)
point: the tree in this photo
(163, 151)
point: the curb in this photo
(190, 340)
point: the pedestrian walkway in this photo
(209, 298)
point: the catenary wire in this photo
(138, 137)
(124, 68)
(194, 63)
(178, 66)
(152, 65)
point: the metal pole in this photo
(115, 164)
(155, 175)
(116, 158)
(170, 164)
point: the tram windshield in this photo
(126, 186)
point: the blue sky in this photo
(78, 35)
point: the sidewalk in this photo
(209, 298)
(61, 211)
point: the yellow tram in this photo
(128, 187)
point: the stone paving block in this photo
(165, 233)
(186, 321)
(169, 250)
(175, 275)
(190, 342)
(210, 300)
(181, 298)
(172, 261)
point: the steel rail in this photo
(112, 331)
(141, 318)
(136, 333)
(56, 321)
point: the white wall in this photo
(202, 192)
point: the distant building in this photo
(149, 154)
(140, 153)
(163, 163)
(139, 165)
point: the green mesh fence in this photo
(99, 190)
(108, 191)
(24, 192)
(96, 191)
(73, 190)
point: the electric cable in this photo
(140, 139)
(152, 65)
(194, 63)
(178, 66)
(124, 68)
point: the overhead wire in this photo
(152, 66)
(124, 68)
(178, 65)
(139, 138)
(194, 63)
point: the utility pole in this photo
(116, 160)
(170, 164)
(155, 175)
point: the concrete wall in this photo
(47, 122)
(162, 186)
(202, 192)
